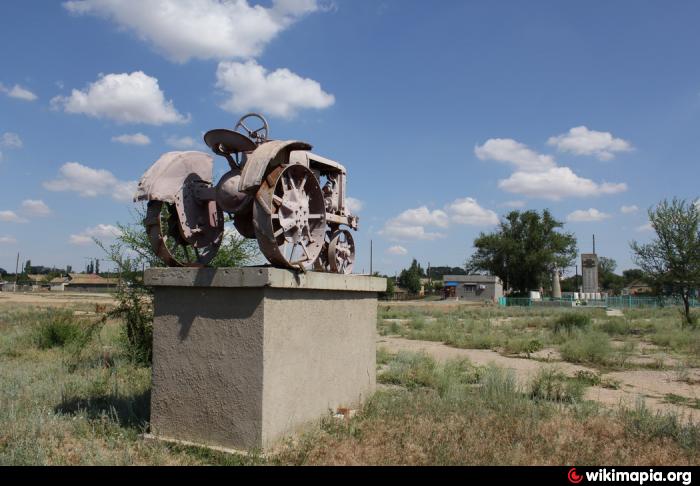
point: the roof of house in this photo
(90, 279)
(637, 284)
(471, 278)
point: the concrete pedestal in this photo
(243, 356)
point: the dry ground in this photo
(458, 385)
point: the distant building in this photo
(637, 287)
(83, 282)
(476, 288)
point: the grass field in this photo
(69, 395)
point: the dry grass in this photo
(60, 405)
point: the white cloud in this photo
(132, 139)
(8, 216)
(280, 93)
(397, 250)
(629, 209)
(35, 207)
(203, 29)
(423, 216)
(18, 92)
(557, 183)
(516, 153)
(124, 98)
(181, 142)
(397, 232)
(354, 205)
(582, 141)
(586, 215)
(10, 140)
(8, 240)
(538, 175)
(101, 232)
(467, 211)
(410, 224)
(645, 227)
(89, 182)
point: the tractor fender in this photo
(266, 157)
(165, 178)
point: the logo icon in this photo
(574, 477)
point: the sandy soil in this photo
(650, 385)
(56, 299)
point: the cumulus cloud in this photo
(203, 29)
(18, 92)
(645, 227)
(280, 93)
(10, 140)
(468, 211)
(8, 240)
(586, 216)
(397, 232)
(181, 142)
(35, 207)
(411, 224)
(124, 98)
(557, 183)
(397, 250)
(132, 139)
(354, 205)
(582, 141)
(629, 209)
(538, 175)
(8, 216)
(513, 152)
(89, 182)
(101, 232)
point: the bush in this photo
(572, 320)
(137, 333)
(57, 329)
(587, 347)
(552, 385)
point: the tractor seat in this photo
(226, 142)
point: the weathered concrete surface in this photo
(242, 357)
(261, 277)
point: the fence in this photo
(620, 302)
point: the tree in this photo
(524, 250)
(436, 273)
(28, 267)
(410, 278)
(672, 259)
(607, 277)
(632, 275)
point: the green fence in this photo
(620, 302)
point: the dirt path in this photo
(652, 386)
(55, 299)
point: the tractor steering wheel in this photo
(260, 135)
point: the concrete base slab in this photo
(243, 357)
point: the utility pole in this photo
(371, 255)
(16, 270)
(594, 244)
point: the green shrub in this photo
(57, 329)
(587, 347)
(553, 385)
(572, 320)
(524, 345)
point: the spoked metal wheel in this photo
(289, 217)
(165, 235)
(341, 252)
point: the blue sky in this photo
(446, 114)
